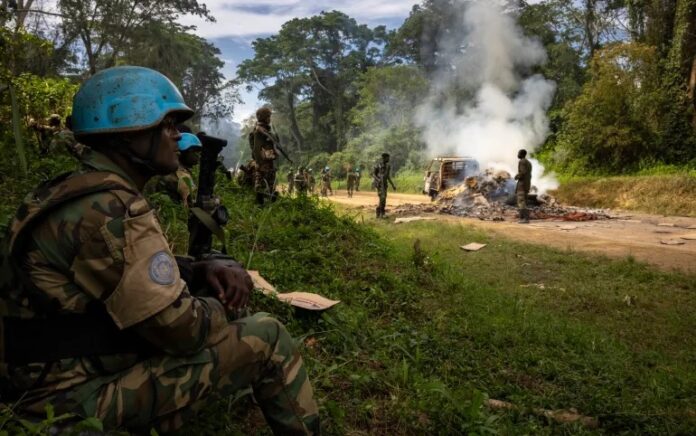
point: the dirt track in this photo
(633, 234)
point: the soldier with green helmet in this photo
(381, 176)
(99, 318)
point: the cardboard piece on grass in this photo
(474, 246)
(689, 237)
(261, 284)
(413, 218)
(672, 242)
(307, 300)
(303, 300)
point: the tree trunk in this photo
(19, 141)
(590, 25)
(692, 89)
(294, 128)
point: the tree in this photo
(615, 123)
(105, 27)
(314, 60)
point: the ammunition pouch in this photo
(269, 154)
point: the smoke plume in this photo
(483, 62)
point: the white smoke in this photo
(506, 112)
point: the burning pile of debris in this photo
(490, 196)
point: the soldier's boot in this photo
(524, 216)
(274, 196)
(259, 198)
(378, 212)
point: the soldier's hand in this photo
(231, 283)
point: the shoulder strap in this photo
(59, 191)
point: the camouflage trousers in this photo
(162, 392)
(521, 201)
(264, 180)
(382, 194)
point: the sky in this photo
(239, 22)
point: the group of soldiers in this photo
(98, 318)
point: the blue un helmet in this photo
(126, 99)
(188, 141)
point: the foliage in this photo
(615, 122)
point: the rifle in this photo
(277, 145)
(208, 215)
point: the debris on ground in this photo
(672, 242)
(413, 218)
(568, 227)
(490, 196)
(666, 225)
(561, 416)
(303, 300)
(689, 237)
(474, 246)
(534, 285)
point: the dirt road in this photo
(631, 234)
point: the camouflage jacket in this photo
(105, 247)
(179, 185)
(381, 175)
(263, 146)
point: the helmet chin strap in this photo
(147, 162)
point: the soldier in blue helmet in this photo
(180, 185)
(98, 316)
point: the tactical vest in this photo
(34, 330)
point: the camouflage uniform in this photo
(352, 182)
(64, 141)
(524, 184)
(326, 183)
(291, 181)
(104, 253)
(381, 178)
(300, 181)
(264, 153)
(179, 185)
(311, 182)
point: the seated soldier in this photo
(99, 318)
(179, 185)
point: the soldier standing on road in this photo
(263, 143)
(326, 182)
(300, 180)
(352, 181)
(524, 184)
(381, 178)
(99, 317)
(358, 171)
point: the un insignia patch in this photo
(162, 268)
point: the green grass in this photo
(423, 336)
(666, 194)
